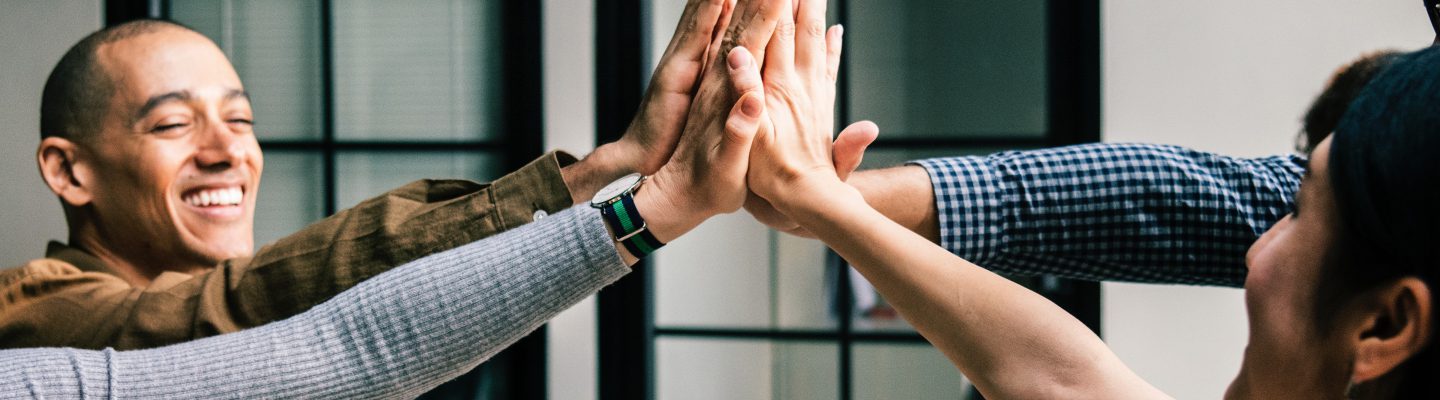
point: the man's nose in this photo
(219, 147)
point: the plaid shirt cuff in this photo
(968, 195)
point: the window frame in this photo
(628, 332)
(518, 372)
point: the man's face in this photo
(176, 164)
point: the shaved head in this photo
(78, 91)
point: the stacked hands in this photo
(757, 130)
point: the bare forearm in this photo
(1009, 340)
(904, 195)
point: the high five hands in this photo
(768, 80)
(759, 118)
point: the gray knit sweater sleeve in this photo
(395, 335)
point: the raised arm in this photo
(418, 325)
(1010, 341)
(395, 335)
(1076, 211)
(50, 303)
(1122, 212)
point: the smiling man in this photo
(147, 140)
(165, 176)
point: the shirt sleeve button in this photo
(539, 215)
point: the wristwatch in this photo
(616, 202)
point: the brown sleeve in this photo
(298, 271)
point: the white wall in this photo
(33, 36)
(569, 81)
(1234, 77)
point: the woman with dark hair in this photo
(1338, 292)
(1327, 108)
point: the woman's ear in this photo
(1396, 325)
(63, 173)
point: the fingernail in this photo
(750, 105)
(840, 30)
(739, 57)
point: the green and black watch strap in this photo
(630, 229)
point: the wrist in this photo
(815, 195)
(602, 166)
(666, 217)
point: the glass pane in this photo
(716, 275)
(362, 175)
(292, 195)
(948, 68)
(905, 371)
(418, 70)
(805, 284)
(745, 369)
(275, 47)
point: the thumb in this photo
(744, 118)
(850, 146)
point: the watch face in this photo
(616, 188)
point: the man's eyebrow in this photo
(157, 100)
(237, 93)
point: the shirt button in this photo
(539, 215)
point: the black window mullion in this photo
(844, 306)
(625, 318)
(327, 107)
(1073, 85)
(122, 11)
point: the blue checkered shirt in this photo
(1115, 212)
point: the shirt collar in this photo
(79, 258)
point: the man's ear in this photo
(63, 173)
(1396, 325)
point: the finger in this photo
(744, 72)
(744, 119)
(850, 145)
(712, 51)
(834, 39)
(780, 54)
(695, 30)
(811, 43)
(752, 25)
(684, 58)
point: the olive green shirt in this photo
(72, 299)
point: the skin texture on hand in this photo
(793, 145)
(848, 151)
(706, 174)
(654, 132)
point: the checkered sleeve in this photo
(1117, 212)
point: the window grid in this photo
(518, 372)
(1072, 53)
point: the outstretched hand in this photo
(706, 174)
(792, 151)
(848, 151)
(653, 134)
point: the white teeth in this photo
(223, 197)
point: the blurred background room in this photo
(353, 97)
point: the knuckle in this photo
(815, 29)
(786, 29)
